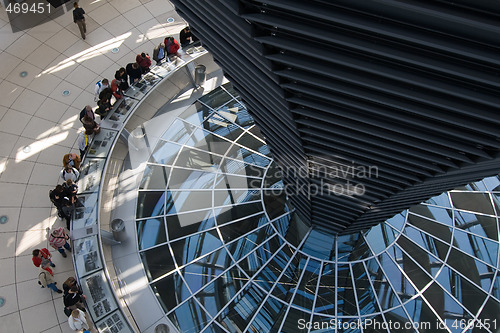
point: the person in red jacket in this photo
(115, 88)
(172, 46)
(144, 62)
(41, 258)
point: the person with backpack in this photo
(99, 87)
(69, 173)
(79, 19)
(45, 279)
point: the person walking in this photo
(79, 19)
(58, 239)
(41, 258)
(46, 280)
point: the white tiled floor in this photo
(34, 113)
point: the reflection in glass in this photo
(150, 232)
(150, 204)
(235, 257)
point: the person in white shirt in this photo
(69, 173)
(78, 321)
(99, 87)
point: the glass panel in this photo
(345, 292)
(225, 181)
(431, 227)
(265, 321)
(402, 285)
(240, 168)
(216, 98)
(155, 177)
(398, 221)
(478, 224)
(164, 153)
(198, 160)
(424, 259)
(242, 246)
(238, 313)
(157, 261)
(478, 247)
(233, 231)
(366, 297)
(475, 202)
(259, 257)
(228, 214)
(178, 132)
(190, 179)
(184, 201)
(320, 245)
(306, 289)
(289, 278)
(209, 298)
(292, 319)
(223, 126)
(380, 237)
(204, 270)
(243, 118)
(380, 281)
(150, 232)
(489, 315)
(188, 249)
(195, 114)
(189, 317)
(204, 140)
(181, 225)
(441, 215)
(275, 202)
(170, 291)
(269, 275)
(296, 231)
(430, 244)
(150, 204)
(231, 197)
(325, 301)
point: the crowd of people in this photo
(65, 195)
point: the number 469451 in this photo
(23, 8)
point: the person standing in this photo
(73, 299)
(83, 141)
(79, 322)
(46, 280)
(144, 62)
(185, 37)
(69, 173)
(159, 53)
(72, 160)
(99, 87)
(134, 72)
(79, 19)
(58, 239)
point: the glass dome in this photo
(224, 252)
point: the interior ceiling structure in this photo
(406, 89)
(223, 251)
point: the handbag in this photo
(67, 311)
